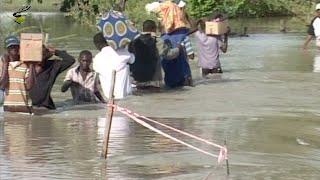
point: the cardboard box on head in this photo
(31, 47)
(216, 28)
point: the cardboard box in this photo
(216, 28)
(31, 47)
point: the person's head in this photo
(99, 41)
(201, 25)
(149, 26)
(12, 44)
(85, 60)
(218, 17)
(318, 9)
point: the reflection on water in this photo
(265, 104)
(316, 63)
(44, 148)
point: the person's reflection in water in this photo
(316, 62)
(120, 133)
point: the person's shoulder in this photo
(106, 51)
(73, 69)
(315, 19)
(99, 54)
(94, 73)
(198, 33)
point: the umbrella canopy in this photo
(117, 29)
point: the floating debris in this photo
(302, 142)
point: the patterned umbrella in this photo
(117, 29)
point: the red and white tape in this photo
(135, 116)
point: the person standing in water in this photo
(83, 81)
(47, 73)
(108, 60)
(314, 29)
(18, 77)
(208, 50)
(149, 50)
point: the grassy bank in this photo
(46, 6)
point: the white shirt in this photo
(108, 60)
(316, 27)
(88, 86)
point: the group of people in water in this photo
(24, 85)
(27, 84)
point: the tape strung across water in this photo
(134, 116)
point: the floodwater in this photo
(266, 104)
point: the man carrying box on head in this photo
(47, 73)
(17, 78)
(209, 47)
(12, 54)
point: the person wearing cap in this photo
(17, 78)
(11, 44)
(314, 29)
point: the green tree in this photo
(243, 8)
(201, 8)
(86, 11)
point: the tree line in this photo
(87, 10)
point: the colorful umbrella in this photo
(117, 29)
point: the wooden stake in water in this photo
(109, 117)
(227, 160)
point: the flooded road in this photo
(266, 104)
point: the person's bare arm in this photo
(191, 56)
(224, 46)
(4, 79)
(31, 79)
(97, 91)
(66, 85)
(99, 96)
(166, 51)
(67, 59)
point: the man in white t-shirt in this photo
(108, 60)
(314, 29)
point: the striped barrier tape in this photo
(135, 116)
